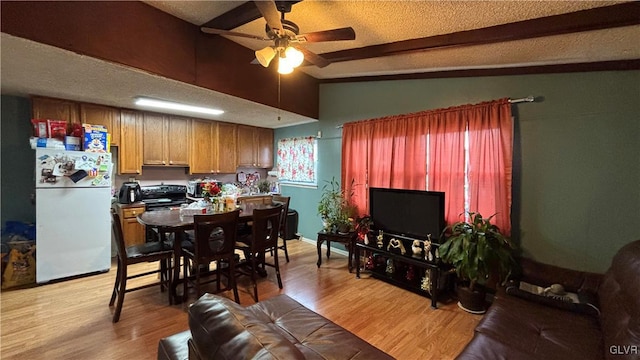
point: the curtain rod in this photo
(529, 98)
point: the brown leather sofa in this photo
(277, 328)
(524, 326)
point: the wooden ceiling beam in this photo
(235, 17)
(625, 14)
(242, 14)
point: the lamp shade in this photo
(294, 56)
(264, 56)
(284, 67)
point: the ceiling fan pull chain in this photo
(279, 108)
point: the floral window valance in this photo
(297, 161)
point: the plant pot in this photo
(471, 301)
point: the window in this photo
(297, 161)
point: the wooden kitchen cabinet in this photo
(265, 148)
(255, 147)
(213, 149)
(134, 233)
(102, 115)
(166, 140)
(130, 149)
(227, 148)
(54, 109)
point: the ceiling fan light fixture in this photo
(294, 56)
(284, 67)
(265, 55)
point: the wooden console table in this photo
(347, 240)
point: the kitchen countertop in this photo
(132, 205)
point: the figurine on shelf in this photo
(427, 249)
(391, 268)
(426, 282)
(416, 248)
(396, 246)
(380, 239)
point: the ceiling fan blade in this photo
(314, 58)
(231, 33)
(270, 13)
(346, 33)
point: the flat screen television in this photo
(410, 213)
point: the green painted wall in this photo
(576, 154)
(17, 177)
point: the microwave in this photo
(194, 187)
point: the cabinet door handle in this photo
(164, 162)
(170, 162)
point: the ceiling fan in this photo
(286, 38)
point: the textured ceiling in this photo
(379, 22)
(33, 68)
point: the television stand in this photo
(413, 273)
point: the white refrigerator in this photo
(73, 220)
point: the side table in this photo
(347, 240)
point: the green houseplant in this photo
(335, 207)
(477, 250)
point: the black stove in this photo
(157, 197)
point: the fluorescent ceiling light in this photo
(142, 101)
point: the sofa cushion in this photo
(174, 347)
(222, 329)
(314, 335)
(619, 296)
(276, 328)
(529, 330)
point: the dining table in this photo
(172, 220)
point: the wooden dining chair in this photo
(284, 201)
(214, 241)
(136, 254)
(264, 238)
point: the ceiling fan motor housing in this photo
(289, 29)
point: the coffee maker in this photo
(129, 193)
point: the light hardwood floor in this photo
(72, 319)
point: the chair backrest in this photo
(215, 234)
(116, 227)
(284, 201)
(266, 224)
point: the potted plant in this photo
(335, 209)
(477, 250)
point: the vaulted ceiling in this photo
(110, 52)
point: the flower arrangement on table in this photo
(211, 190)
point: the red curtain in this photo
(426, 150)
(490, 161)
(447, 160)
(355, 157)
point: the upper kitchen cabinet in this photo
(255, 147)
(130, 149)
(166, 140)
(54, 109)
(265, 148)
(213, 149)
(227, 148)
(102, 115)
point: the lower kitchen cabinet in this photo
(134, 233)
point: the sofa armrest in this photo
(573, 280)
